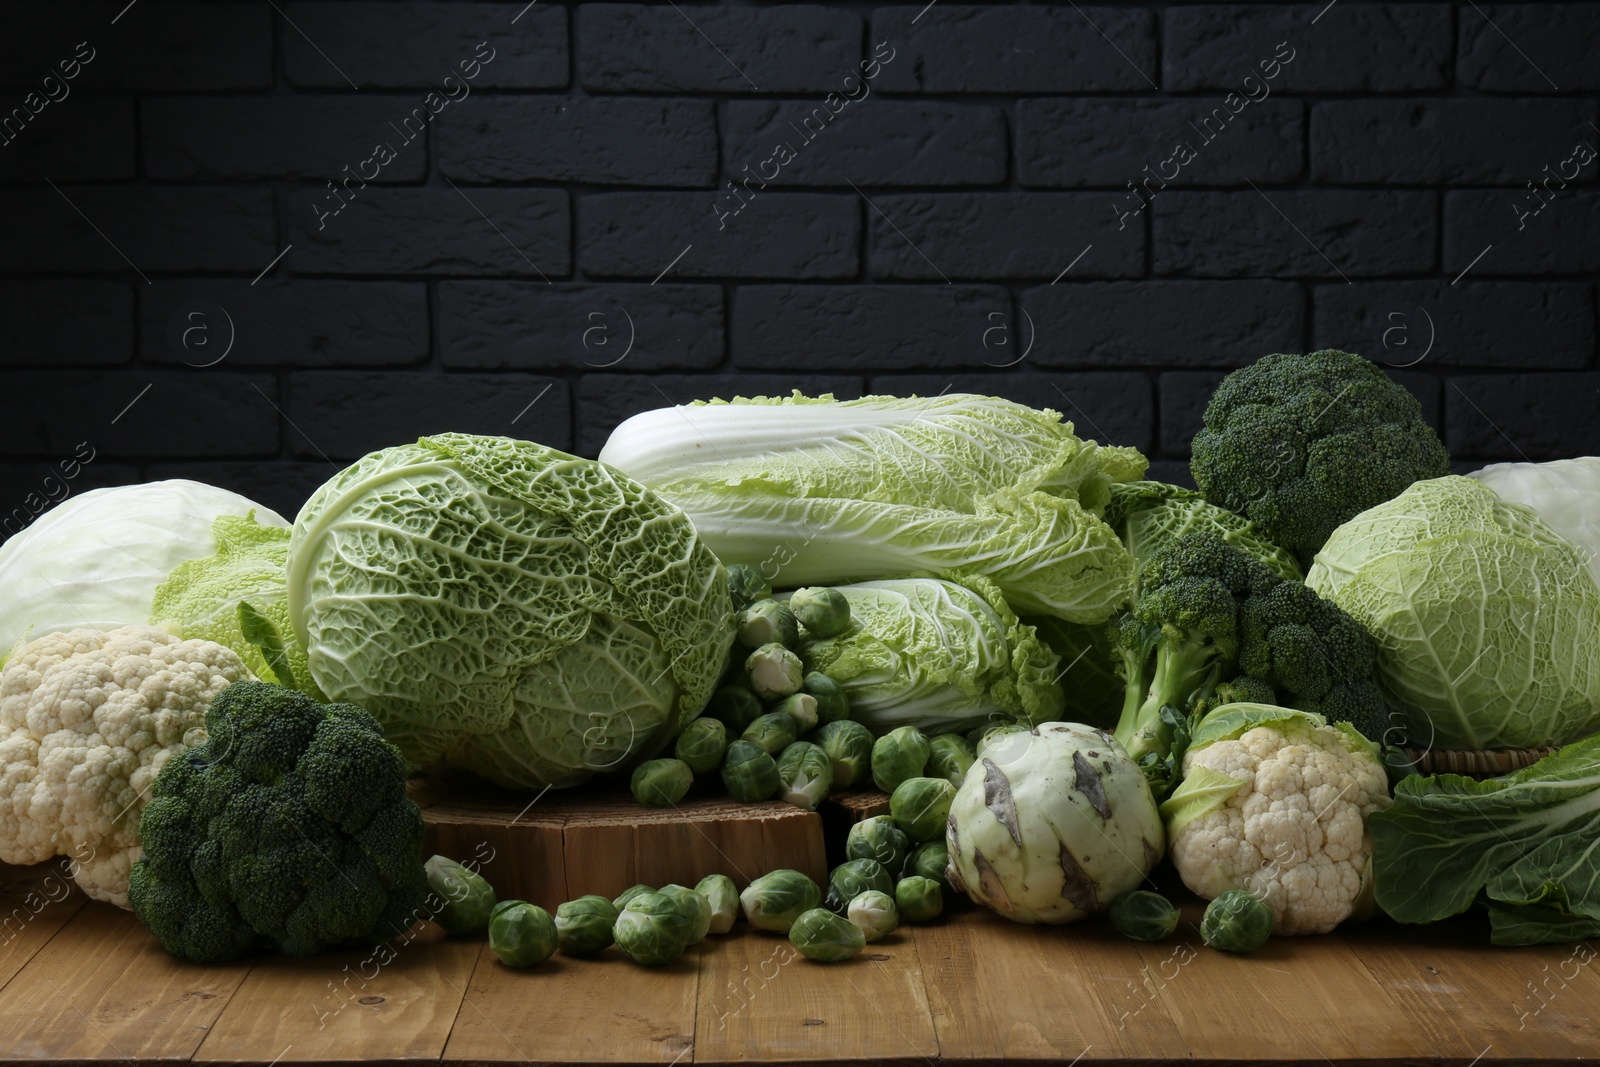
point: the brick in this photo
(604, 140)
(158, 228)
(784, 48)
(276, 322)
(52, 323)
(440, 231)
(409, 45)
(871, 141)
(87, 139)
(1548, 231)
(527, 325)
(1280, 233)
(1164, 323)
(955, 49)
(864, 328)
(29, 488)
(1111, 408)
(1524, 325)
(606, 400)
(1067, 141)
(342, 415)
(320, 137)
(283, 485)
(1183, 396)
(1383, 48)
(999, 235)
(1553, 49)
(1437, 141)
(185, 45)
(773, 235)
(1523, 416)
(182, 414)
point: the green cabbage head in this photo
(508, 609)
(1486, 619)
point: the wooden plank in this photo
(1466, 998)
(602, 1010)
(347, 1006)
(104, 990)
(761, 1001)
(35, 903)
(1048, 993)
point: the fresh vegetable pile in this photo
(1059, 675)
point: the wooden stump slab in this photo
(553, 847)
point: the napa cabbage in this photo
(815, 491)
(1485, 618)
(508, 609)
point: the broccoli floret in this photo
(1207, 611)
(1149, 515)
(1300, 444)
(289, 830)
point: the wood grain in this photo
(760, 1000)
(601, 1010)
(346, 1006)
(109, 992)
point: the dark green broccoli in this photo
(1300, 444)
(288, 830)
(1212, 624)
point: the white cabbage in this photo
(1565, 493)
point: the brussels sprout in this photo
(522, 934)
(465, 897)
(832, 704)
(849, 746)
(735, 706)
(804, 775)
(823, 612)
(627, 895)
(919, 899)
(695, 906)
(878, 838)
(852, 878)
(653, 929)
(821, 935)
(929, 860)
(702, 745)
(802, 708)
(749, 773)
(746, 585)
(661, 783)
(772, 732)
(898, 755)
(775, 900)
(1236, 921)
(583, 926)
(920, 807)
(723, 896)
(875, 914)
(768, 622)
(774, 671)
(949, 756)
(1144, 916)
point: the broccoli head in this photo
(1213, 624)
(288, 830)
(1300, 444)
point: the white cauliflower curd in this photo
(87, 720)
(1275, 802)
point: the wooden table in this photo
(82, 982)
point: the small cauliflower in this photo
(87, 720)
(1275, 802)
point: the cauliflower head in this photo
(87, 720)
(1275, 802)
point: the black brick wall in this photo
(248, 242)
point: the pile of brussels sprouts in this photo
(771, 729)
